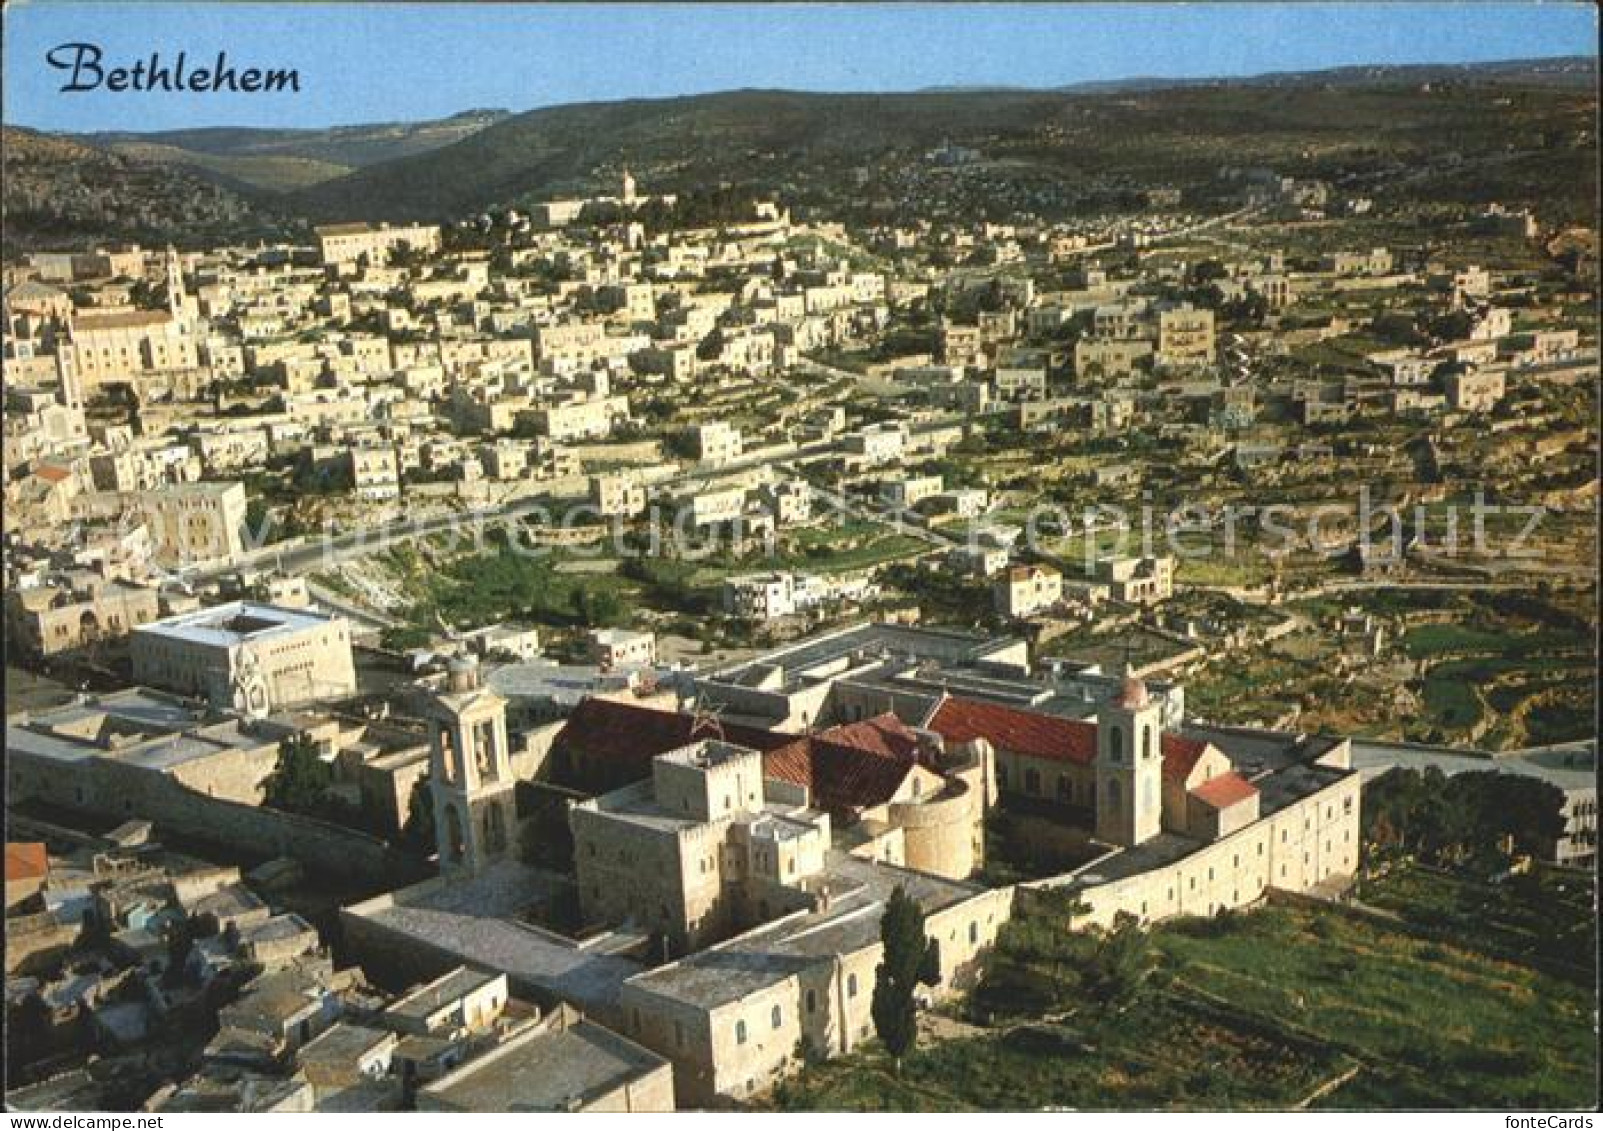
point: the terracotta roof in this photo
(617, 741)
(1022, 732)
(1225, 790)
(26, 860)
(839, 778)
(849, 767)
(53, 473)
(883, 734)
(1180, 756)
(1046, 736)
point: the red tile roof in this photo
(26, 860)
(1180, 756)
(883, 734)
(849, 767)
(1225, 790)
(609, 743)
(839, 778)
(1022, 732)
(1046, 736)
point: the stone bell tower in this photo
(1129, 766)
(178, 304)
(470, 772)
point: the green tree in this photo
(259, 522)
(596, 607)
(1121, 964)
(405, 637)
(300, 781)
(909, 958)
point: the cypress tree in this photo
(909, 958)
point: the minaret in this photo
(1129, 766)
(470, 773)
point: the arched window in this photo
(1116, 743)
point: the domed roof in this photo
(1134, 693)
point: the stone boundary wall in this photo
(106, 787)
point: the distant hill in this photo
(60, 194)
(1570, 70)
(1578, 71)
(278, 160)
(1520, 132)
(799, 142)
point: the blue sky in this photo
(383, 62)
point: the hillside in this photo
(279, 160)
(865, 148)
(1520, 133)
(59, 194)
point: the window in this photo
(777, 1017)
(1065, 788)
(812, 1001)
(973, 933)
(851, 985)
(1146, 743)
(740, 1032)
(1116, 742)
(1032, 782)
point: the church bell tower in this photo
(470, 772)
(1129, 766)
